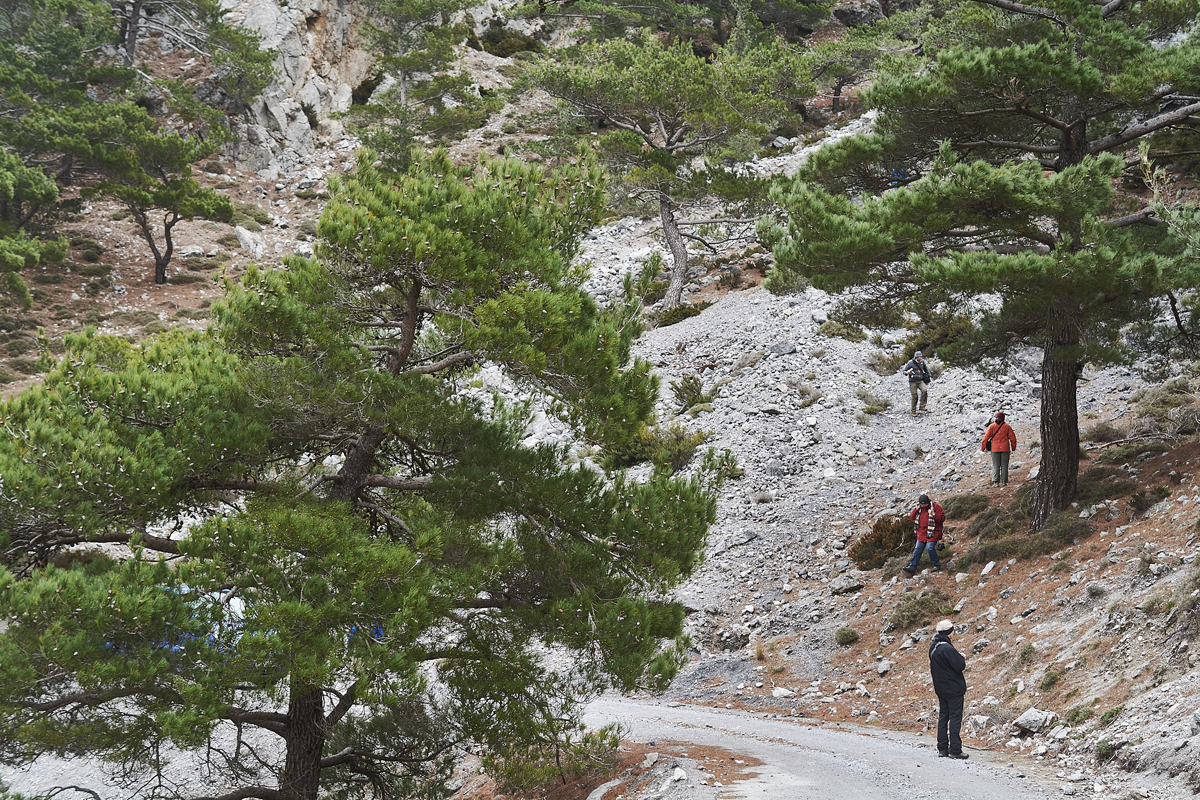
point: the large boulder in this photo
(1034, 720)
(845, 584)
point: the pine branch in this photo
(1135, 132)
(1029, 11)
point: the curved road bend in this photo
(809, 762)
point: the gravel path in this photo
(804, 761)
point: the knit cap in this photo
(923, 499)
(945, 625)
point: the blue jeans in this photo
(916, 556)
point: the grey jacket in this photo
(917, 371)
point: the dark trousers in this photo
(950, 711)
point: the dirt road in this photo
(811, 762)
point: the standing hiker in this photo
(927, 520)
(918, 378)
(946, 667)
(1000, 441)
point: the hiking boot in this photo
(943, 754)
(937, 569)
(957, 755)
(909, 571)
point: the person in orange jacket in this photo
(1000, 441)
(927, 520)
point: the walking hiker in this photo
(927, 520)
(1000, 441)
(946, 667)
(918, 378)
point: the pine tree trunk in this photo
(357, 465)
(301, 778)
(678, 251)
(131, 29)
(1060, 417)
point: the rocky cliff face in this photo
(322, 60)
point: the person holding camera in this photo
(927, 519)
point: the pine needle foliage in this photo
(957, 195)
(376, 559)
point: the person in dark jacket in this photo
(946, 667)
(918, 378)
(927, 519)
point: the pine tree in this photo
(991, 171)
(148, 170)
(384, 559)
(240, 65)
(422, 93)
(666, 107)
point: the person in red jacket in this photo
(927, 520)
(1000, 441)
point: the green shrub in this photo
(229, 240)
(1080, 714)
(873, 403)
(180, 278)
(1143, 501)
(47, 277)
(853, 333)
(243, 211)
(1061, 530)
(139, 318)
(1108, 717)
(1102, 483)
(681, 312)
(886, 363)
(689, 392)
(963, 506)
(1049, 679)
(648, 287)
(1128, 452)
(503, 42)
(523, 769)
(1025, 654)
(1103, 432)
(27, 366)
(157, 326)
(808, 395)
(888, 537)
(8, 376)
(19, 345)
(672, 447)
(311, 194)
(1171, 407)
(70, 559)
(846, 636)
(307, 227)
(1106, 749)
(922, 609)
(198, 263)
(731, 279)
(93, 270)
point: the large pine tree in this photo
(991, 172)
(386, 568)
(672, 117)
